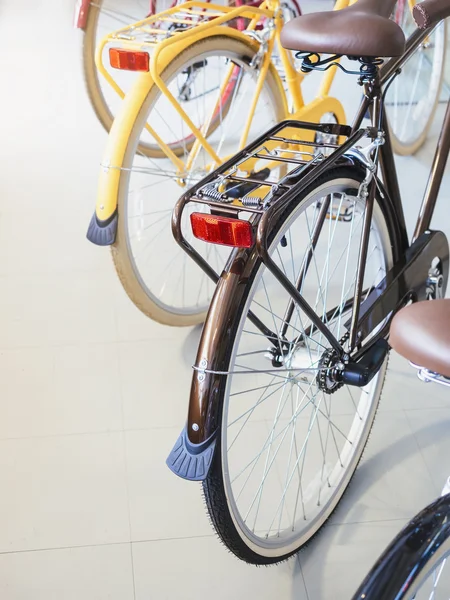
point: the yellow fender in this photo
(108, 186)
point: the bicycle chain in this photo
(329, 360)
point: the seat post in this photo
(372, 90)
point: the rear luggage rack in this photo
(156, 32)
(178, 20)
(267, 175)
(267, 168)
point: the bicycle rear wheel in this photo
(415, 565)
(153, 269)
(413, 97)
(105, 16)
(290, 439)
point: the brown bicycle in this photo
(293, 354)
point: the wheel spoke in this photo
(289, 441)
(151, 184)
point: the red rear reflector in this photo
(129, 60)
(222, 230)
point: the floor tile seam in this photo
(125, 430)
(62, 435)
(126, 476)
(62, 548)
(299, 563)
(106, 544)
(74, 344)
(416, 441)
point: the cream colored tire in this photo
(412, 130)
(124, 262)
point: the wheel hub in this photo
(307, 365)
(303, 363)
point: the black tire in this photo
(414, 558)
(216, 493)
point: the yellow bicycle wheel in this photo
(105, 16)
(153, 269)
(413, 96)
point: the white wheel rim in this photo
(283, 543)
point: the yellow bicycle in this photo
(205, 90)
(96, 18)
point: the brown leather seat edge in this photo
(428, 13)
(363, 29)
(421, 333)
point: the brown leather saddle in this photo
(363, 29)
(421, 333)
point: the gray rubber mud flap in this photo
(102, 233)
(190, 461)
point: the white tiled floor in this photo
(89, 406)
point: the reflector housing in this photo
(226, 231)
(129, 60)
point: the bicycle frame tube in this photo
(391, 68)
(294, 78)
(393, 64)
(435, 178)
(387, 164)
(440, 157)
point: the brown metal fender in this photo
(213, 356)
